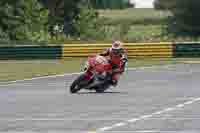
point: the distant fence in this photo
(135, 50)
(186, 50)
(31, 52)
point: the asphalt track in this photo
(163, 99)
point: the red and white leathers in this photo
(117, 58)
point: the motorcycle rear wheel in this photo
(103, 87)
(99, 90)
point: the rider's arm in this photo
(124, 59)
(124, 56)
(105, 53)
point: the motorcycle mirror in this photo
(82, 62)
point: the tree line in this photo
(22, 19)
(39, 20)
(185, 14)
(111, 4)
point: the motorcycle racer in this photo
(117, 57)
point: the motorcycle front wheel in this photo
(75, 86)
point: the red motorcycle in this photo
(96, 75)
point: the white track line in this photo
(180, 106)
(154, 131)
(149, 117)
(115, 125)
(151, 67)
(136, 131)
(134, 120)
(36, 78)
(52, 131)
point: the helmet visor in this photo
(116, 51)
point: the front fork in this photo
(87, 78)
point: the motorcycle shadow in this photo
(106, 92)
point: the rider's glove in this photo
(124, 60)
(118, 70)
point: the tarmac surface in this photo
(162, 99)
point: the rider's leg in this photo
(115, 78)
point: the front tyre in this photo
(75, 86)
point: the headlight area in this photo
(86, 66)
(101, 76)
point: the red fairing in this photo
(88, 75)
(107, 67)
(98, 67)
(92, 60)
(116, 60)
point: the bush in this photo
(22, 19)
(3, 36)
(111, 4)
(185, 15)
(88, 25)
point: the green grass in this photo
(133, 16)
(140, 25)
(18, 70)
(145, 32)
(135, 25)
(128, 25)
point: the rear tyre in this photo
(75, 86)
(99, 90)
(103, 87)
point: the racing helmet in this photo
(116, 47)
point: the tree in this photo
(111, 4)
(186, 15)
(72, 11)
(22, 19)
(64, 13)
(164, 4)
(160, 4)
(56, 14)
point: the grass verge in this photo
(19, 70)
(133, 16)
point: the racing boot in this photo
(114, 83)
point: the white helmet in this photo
(116, 45)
